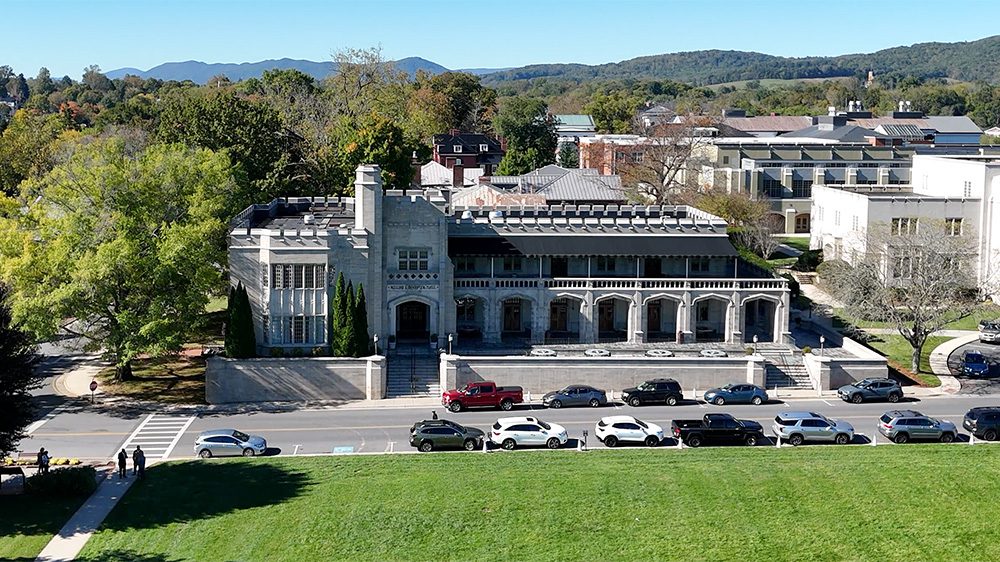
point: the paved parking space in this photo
(976, 385)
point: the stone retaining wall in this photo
(294, 379)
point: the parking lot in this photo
(975, 385)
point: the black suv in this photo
(428, 435)
(983, 422)
(667, 391)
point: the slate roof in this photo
(940, 123)
(564, 184)
(470, 142)
(844, 133)
(900, 130)
(435, 174)
(765, 123)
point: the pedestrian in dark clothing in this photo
(122, 461)
(43, 460)
(434, 414)
(139, 458)
(135, 460)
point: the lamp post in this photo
(822, 341)
(451, 337)
(375, 341)
(755, 339)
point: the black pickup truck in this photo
(717, 428)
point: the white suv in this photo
(615, 429)
(510, 433)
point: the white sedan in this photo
(616, 429)
(511, 433)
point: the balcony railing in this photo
(619, 283)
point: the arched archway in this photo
(470, 318)
(566, 322)
(413, 321)
(515, 318)
(613, 318)
(802, 222)
(760, 318)
(661, 318)
(711, 318)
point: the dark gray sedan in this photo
(228, 442)
(741, 393)
(575, 395)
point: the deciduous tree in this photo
(17, 377)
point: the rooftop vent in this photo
(309, 219)
(467, 215)
(496, 216)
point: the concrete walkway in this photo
(819, 296)
(77, 531)
(938, 359)
(76, 382)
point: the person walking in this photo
(122, 461)
(135, 460)
(140, 462)
(434, 414)
(43, 460)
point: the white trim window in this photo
(606, 264)
(295, 330)
(298, 276)
(456, 148)
(513, 264)
(953, 226)
(903, 226)
(417, 259)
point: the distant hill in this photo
(201, 72)
(966, 61)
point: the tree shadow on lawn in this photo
(125, 555)
(187, 491)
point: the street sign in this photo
(93, 386)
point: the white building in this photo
(961, 193)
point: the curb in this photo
(938, 360)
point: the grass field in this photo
(986, 312)
(897, 349)
(27, 524)
(914, 502)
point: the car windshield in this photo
(728, 387)
(974, 358)
(496, 425)
(564, 390)
(886, 418)
(543, 424)
(645, 386)
(642, 424)
(241, 436)
(464, 389)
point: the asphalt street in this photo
(80, 431)
(976, 385)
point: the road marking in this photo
(827, 403)
(39, 423)
(159, 433)
(177, 437)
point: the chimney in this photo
(454, 132)
(831, 110)
(458, 175)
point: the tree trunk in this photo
(123, 372)
(915, 358)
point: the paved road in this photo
(83, 433)
(976, 385)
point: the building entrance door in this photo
(412, 321)
(606, 316)
(558, 313)
(512, 316)
(653, 324)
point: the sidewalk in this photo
(76, 382)
(77, 531)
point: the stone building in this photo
(515, 275)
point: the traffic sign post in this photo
(93, 387)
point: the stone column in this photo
(375, 377)
(539, 321)
(735, 331)
(588, 320)
(448, 371)
(491, 323)
(685, 317)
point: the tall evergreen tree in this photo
(230, 340)
(246, 344)
(347, 339)
(338, 313)
(17, 378)
(361, 323)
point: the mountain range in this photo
(964, 61)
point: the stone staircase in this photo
(786, 373)
(412, 371)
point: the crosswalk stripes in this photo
(158, 434)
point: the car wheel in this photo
(552, 443)
(205, 454)
(506, 405)
(947, 437)
(719, 401)
(990, 435)
(470, 444)
(248, 452)
(901, 438)
(594, 402)
(756, 400)
(671, 400)
(751, 440)
(894, 397)
(426, 447)
(610, 441)
(556, 404)
(455, 407)
(652, 441)
(795, 440)
(841, 439)
(694, 441)
(509, 444)
(857, 398)
(634, 402)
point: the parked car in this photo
(737, 394)
(989, 332)
(223, 442)
(974, 364)
(511, 433)
(871, 389)
(575, 395)
(485, 394)
(428, 435)
(799, 427)
(717, 428)
(904, 425)
(984, 322)
(667, 391)
(983, 422)
(616, 429)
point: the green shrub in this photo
(63, 482)
(807, 350)
(793, 285)
(809, 260)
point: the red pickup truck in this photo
(481, 395)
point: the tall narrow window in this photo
(953, 226)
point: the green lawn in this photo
(800, 243)
(988, 311)
(897, 349)
(914, 502)
(27, 524)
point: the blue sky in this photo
(66, 36)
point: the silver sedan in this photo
(223, 442)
